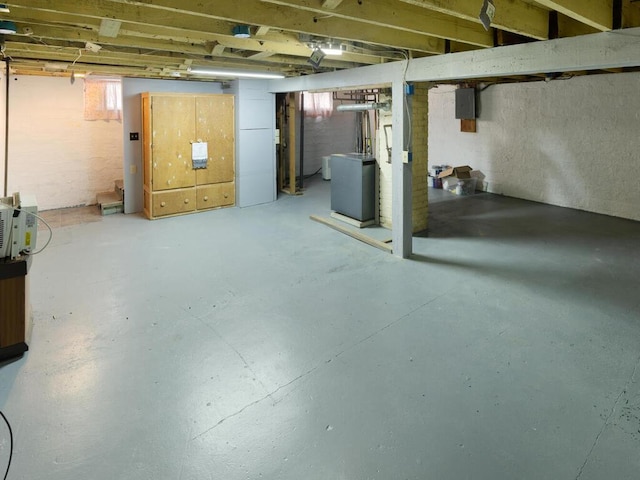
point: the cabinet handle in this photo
(186, 200)
(226, 195)
(206, 198)
(162, 204)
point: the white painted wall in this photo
(384, 174)
(572, 143)
(325, 136)
(255, 142)
(53, 152)
(131, 90)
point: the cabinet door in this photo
(215, 125)
(173, 130)
(215, 195)
(173, 202)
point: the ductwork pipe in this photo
(359, 107)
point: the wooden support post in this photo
(281, 163)
(292, 143)
(401, 192)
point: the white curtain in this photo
(102, 99)
(319, 105)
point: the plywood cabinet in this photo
(171, 123)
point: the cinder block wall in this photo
(571, 143)
(419, 168)
(326, 136)
(54, 153)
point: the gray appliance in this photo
(353, 185)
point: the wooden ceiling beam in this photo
(65, 51)
(569, 27)
(402, 16)
(198, 15)
(595, 13)
(513, 16)
(169, 43)
(630, 13)
(330, 4)
(278, 16)
(177, 40)
(87, 61)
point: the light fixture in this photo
(332, 48)
(316, 57)
(75, 75)
(487, 12)
(55, 66)
(92, 47)
(229, 73)
(7, 26)
(241, 31)
(4, 8)
(109, 28)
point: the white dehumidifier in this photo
(5, 229)
(24, 233)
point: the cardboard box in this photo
(459, 186)
(458, 180)
(462, 172)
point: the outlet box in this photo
(134, 136)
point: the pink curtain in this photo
(102, 99)
(318, 104)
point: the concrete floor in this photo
(256, 343)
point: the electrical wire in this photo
(3, 51)
(313, 174)
(10, 444)
(487, 86)
(78, 57)
(43, 221)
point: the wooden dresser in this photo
(171, 124)
(15, 314)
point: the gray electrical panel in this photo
(465, 103)
(353, 185)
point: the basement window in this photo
(102, 99)
(319, 105)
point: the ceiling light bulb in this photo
(241, 31)
(227, 73)
(7, 27)
(332, 49)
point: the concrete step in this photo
(119, 188)
(110, 202)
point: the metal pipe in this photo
(359, 107)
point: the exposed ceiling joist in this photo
(217, 50)
(170, 34)
(596, 13)
(402, 16)
(330, 4)
(196, 15)
(513, 16)
(260, 55)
